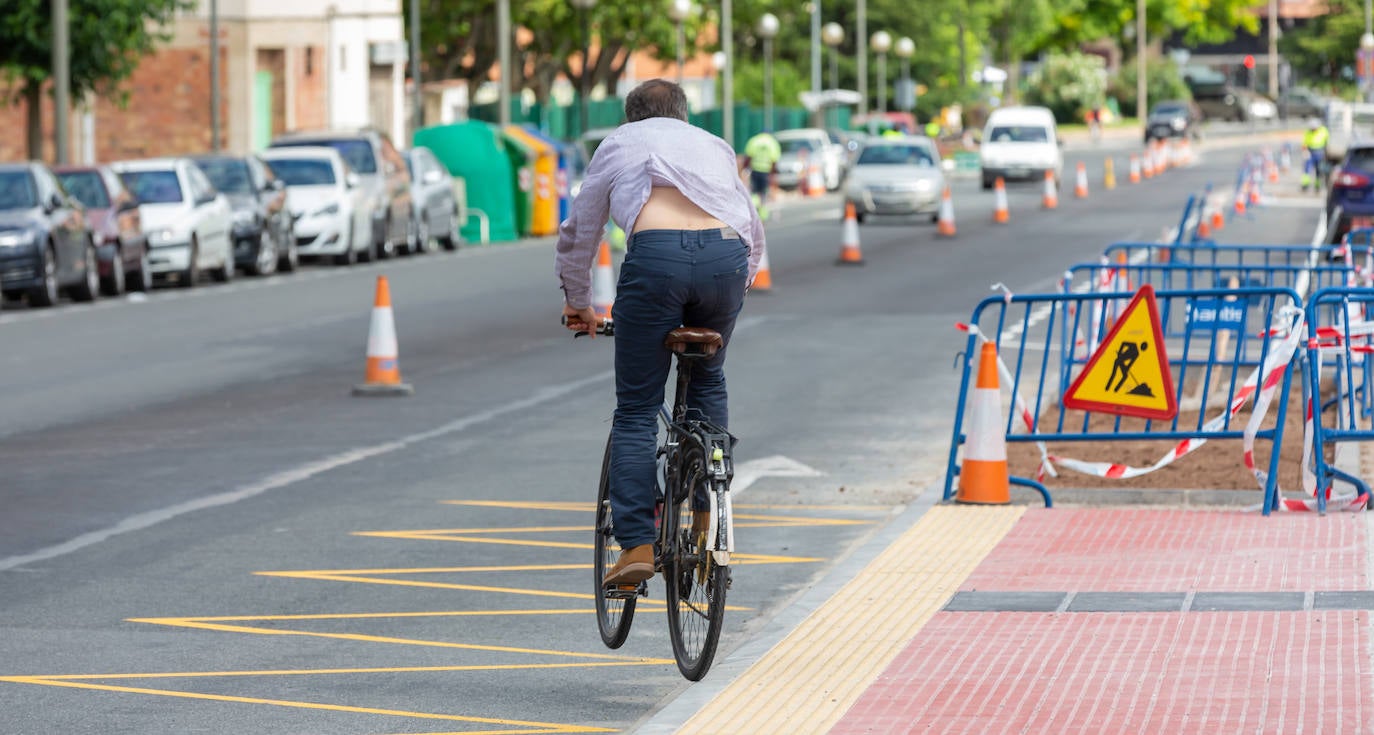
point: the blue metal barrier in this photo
(1255, 255)
(1339, 346)
(1184, 275)
(1037, 338)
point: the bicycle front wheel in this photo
(696, 589)
(614, 612)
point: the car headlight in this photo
(1178, 123)
(17, 238)
(331, 209)
(163, 236)
(922, 185)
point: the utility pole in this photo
(61, 79)
(816, 46)
(1274, 50)
(1142, 101)
(214, 76)
(417, 97)
(503, 58)
(727, 39)
(861, 39)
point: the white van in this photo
(1020, 143)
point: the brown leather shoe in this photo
(634, 566)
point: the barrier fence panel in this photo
(1259, 255)
(1336, 389)
(1193, 378)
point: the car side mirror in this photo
(54, 202)
(276, 185)
(351, 180)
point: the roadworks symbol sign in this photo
(1129, 374)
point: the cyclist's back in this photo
(695, 243)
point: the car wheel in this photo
(935, 218)
(144, 280)
(387, 247)
(192, 272)
(115, 284)
(291, 259)
(266, 263)
(46, 293)
(422, 236)
(987, 183)
(89, 288)
(449, 240)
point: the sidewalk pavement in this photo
(1122, 618)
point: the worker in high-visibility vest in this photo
(762, 153)
(1314, 143)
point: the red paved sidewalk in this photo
(1247, 633)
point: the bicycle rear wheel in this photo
(615, 611)
(696, 588)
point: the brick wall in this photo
(167, 112)
(310, 88)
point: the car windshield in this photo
(358, 153)
(1360, 159)
(87, 187)
(1019, 134)
(1169, 110)
(896, 155)
(229, 175)
(796, 145)
(303, 171)
(16, 190)
(153, 187)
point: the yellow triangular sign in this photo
(1129, 374)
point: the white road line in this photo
(748, 473)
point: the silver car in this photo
(899, 176)
(436, 206)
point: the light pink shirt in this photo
(659, 151)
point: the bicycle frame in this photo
(714, 442)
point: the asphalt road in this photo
(202, 531)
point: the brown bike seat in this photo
(694, 340)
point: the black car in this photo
(263, 237)
(45, 245)
(1173, 119)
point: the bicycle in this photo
(694, 457)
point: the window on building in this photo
(310, 61)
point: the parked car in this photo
(1173, 119)
(187, 220)
(381, 174)
(45, 245)
(1020, 143)
(1352, 191)
(806, 144)
(431, 193)
(330, 206)
(1225, 102)
(264, 237)
(896, 176)
(112, 213)
(1302, 103)
(1347, 122)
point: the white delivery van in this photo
(1020, 143)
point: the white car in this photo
(325, 199)
(187, 221)
(808, 144)
(1020, 143)
(899, 176)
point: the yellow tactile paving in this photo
(812, 677)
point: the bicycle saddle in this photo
(694, 341)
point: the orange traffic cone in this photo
(1240, 199)
(1203, 228)
(383, 370)
(1050, 200)
(603, 282)
(1147, 165)
(1000, 213)
(1080, 186)
(1218, 219)
(983, 476)
(1135, 169)
(849, 249)
(763, 280)
(945, 219)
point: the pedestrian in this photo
(761, 155)
(695, 244)
(1314, 145)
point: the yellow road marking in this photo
(813, 676)
(589, 507)
(526, 726)
(326, 672)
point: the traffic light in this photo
(1249, 61)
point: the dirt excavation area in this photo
(1218, 464)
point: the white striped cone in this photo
(983, 474)
(383, 375)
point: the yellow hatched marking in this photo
(589, 507)
(525, 727)
(813, 676)
(327, 672)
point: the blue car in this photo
(45, 244)
(1352, 191)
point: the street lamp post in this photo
(861, 53)
(1367, 65)
(882, 43)
(1141, 98)
(833, 34)
(503, 29)
(768, 28)
(727, 44)
(815, 46)
(584, 7)
(678, 10)
(905, 49)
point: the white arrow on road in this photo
(747, 473)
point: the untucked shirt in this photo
(638, 156)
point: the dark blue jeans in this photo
(670, 279)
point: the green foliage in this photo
(1162, 82)
(1325, 47)
(1069, 84)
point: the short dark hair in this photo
(656, 98)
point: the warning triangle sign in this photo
(1129, 374)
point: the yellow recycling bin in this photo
(544, 218)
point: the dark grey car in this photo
(45, 244)
(436, 206)
(263, 238)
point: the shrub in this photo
(1162, 82)
(1069, 85)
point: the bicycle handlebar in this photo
(607, 327)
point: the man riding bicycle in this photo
(1314, 143)
(695, 244)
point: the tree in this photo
(1325, 47)
(108, 38)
